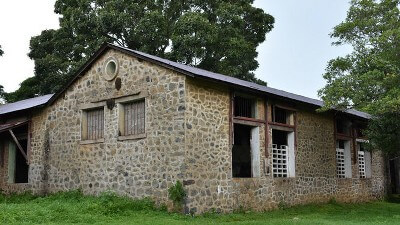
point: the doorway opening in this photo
(245, 151)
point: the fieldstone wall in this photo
(136, 168)
(187, 139)
(210, 184)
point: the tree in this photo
(368, 79)
(1, 51)
(217, 35)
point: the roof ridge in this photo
(201, 73)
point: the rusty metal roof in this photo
(24, 104)
(200, 73)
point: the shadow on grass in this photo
(394, 198)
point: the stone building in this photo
(134, 123)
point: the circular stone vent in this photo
(110, 68)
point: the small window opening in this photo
(360, 128)
(244, 107)
(283, 116)
(343, 126)
(93, 124)
(111, 68)
(134, 118)
(280, 116)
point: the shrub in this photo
(177, 194)
(283, 205)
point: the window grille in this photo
(95, 124)
(340, 163)
(361, 164)
(280, 115)
(280, 160)
(134, 118)
(244, 107)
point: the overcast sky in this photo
(292, 58)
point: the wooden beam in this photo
(246, 122)
(19, 145)
(282, 128)
(282, 125)
(249, 119)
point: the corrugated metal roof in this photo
(231, 80)
(196, 72)
(24, 104)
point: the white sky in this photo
(293, 57)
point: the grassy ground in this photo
(73, 208)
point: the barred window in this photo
(282, 116)
(134, 118)
(93, 124)
(244, 107)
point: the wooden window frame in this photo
(288, 128)
(142, 96)
(253, 106)
(84, 122)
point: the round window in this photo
(110, 69)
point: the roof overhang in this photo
(8, 126)
(203, 74)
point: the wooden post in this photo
(231, 105)
(266, 127)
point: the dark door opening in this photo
(21, 167)
(241, 151)
(279, 137)
(394, 167)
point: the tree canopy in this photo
(216, 35)
(1, 51)
(368, 78)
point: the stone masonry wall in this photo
(208, 161)
(187, 138)
(136, 168)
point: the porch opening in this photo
(18, 168)
(21, 167)
(245, 151)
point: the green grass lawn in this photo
(73, 208)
